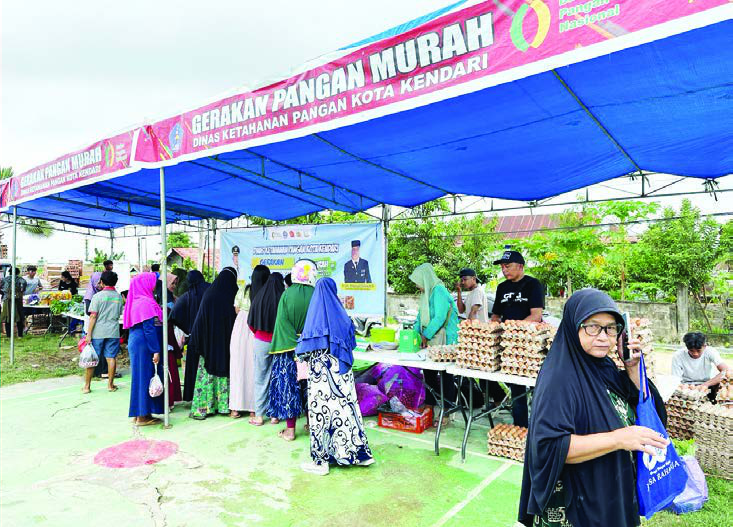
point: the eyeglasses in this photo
(593, 330)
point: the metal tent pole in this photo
(385, 224)
(213, 246)
(12, 287)
(111, 244)
(164, 280)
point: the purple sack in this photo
(373, 374)
(696, 490)
(369, 398)
(405, 384)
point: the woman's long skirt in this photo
(241, 366)
(211, 394)
(334, 419)
(142, 370)
(285, 402)
(189, 375)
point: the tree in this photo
(621, 212)
(101, 256)
(179, 239)
(447, 244)
(36, 228)
(565, 259)
(683, 249)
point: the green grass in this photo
(716, 512)
(37, 357)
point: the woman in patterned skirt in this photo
(211, 336)
(285, 399)
(579, 463)
(336, 427)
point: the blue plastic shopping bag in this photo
(660, 478)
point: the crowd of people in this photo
(277, 348)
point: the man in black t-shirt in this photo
(519, 297)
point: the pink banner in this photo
(103, 158)
(476, 42)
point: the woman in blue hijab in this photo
(327, 342)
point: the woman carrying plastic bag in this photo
(660, 476)
(579, 463)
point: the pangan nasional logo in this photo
(543, 25)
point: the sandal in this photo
(274, 421)
(86, 390)
(112, 389)
(153, 421)
(234, 414)
(254, 422)
(282, 435)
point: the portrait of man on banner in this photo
(356, 270)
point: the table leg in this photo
(440, 417)
(468, 423)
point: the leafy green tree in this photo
(449, 245)
(681, 250)
(565, 259)
(616, 258)
(101, 256)
(179, 239)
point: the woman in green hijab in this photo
(437, 319)
(437, 323)
(285, 396)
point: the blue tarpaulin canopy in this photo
(665, 106)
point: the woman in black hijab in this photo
(260, 274)
(183, 315)
(261, 321)
(579, 465)
(211, 336)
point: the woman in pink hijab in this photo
(143, 317)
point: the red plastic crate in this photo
(414, 425)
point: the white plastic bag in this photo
(155, 388)
(88, 357)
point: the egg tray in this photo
(474, 326)
(520, 371)
(715, 416)
(515, 454)
(447, 353)
(521, 336)
(725, 394)
(479, 344)
(523, 353)
(528, 326)
(474, 365)
(712, 461)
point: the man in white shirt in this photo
(474, 306)
(696, 363)
(32, 282)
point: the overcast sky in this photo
(74, 72)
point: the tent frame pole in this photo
(164, 280)
(385, 225)
(12, 287)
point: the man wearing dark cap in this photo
(519, 297)
(474, 307)
(356, 270)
